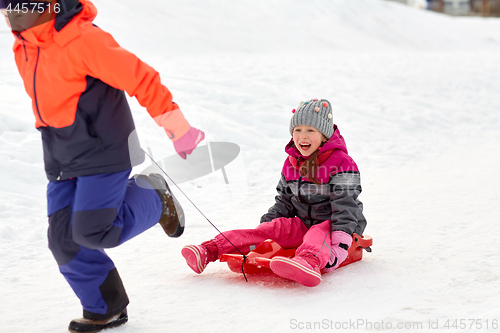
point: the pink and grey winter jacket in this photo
(336, 199)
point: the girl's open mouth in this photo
(305, 146)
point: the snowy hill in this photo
(284, 27)
(415, 94)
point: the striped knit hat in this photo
(316, 113)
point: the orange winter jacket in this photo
(76, 75)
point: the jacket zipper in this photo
(25, 52)
(21, 38)
(40, 115)
(309, 208)
(52, 151)
(34, 75)
(299, 185)
(34, 87)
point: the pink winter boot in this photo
(304, 270)
(198, 256)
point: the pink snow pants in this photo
(287, 232)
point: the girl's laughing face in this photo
(307, 139)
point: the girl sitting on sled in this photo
(316, 210)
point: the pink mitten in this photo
(188, 142)
(184, 137)
(341, 242)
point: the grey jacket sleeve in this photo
(345, 188)
(283, 206)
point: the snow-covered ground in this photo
(416, 96)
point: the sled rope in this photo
(199, 210)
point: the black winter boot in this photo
(84, 325)
(172, 218)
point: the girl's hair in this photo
(310, 167)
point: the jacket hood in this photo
(63, 28)
(335, 142)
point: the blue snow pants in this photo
(88, 214)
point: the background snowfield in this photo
(415, 95)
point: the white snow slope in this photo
(416, 96)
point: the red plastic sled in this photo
(258, 260)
